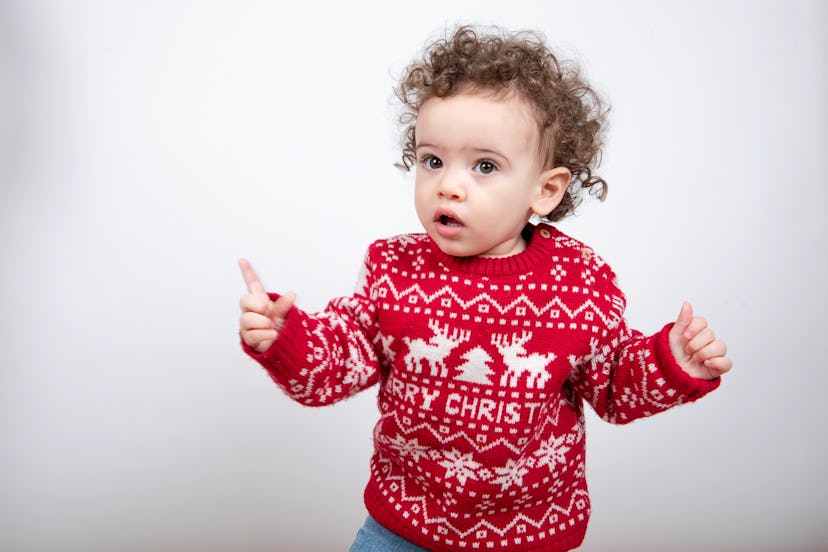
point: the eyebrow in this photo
(490, 151)
(483, 151)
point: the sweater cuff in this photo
(674, 374)
(283, 348)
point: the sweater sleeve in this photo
(321, 358)
(628, 375)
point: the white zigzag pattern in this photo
(610, 319)
(449, 438)
(521, 517)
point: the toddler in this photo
(485, 334)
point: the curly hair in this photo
(570, 114)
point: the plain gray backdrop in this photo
(146, 146)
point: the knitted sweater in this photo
(483, 365)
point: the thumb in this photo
(684, 318)
(278, 309)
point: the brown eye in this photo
(486, 167)
(432, 162)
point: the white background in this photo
(146, 145)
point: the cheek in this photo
(504, 197)
(506, 205)
(420, 199)
(419, 191)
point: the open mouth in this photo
(447, 224)
(448, 220)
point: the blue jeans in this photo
(373, 537)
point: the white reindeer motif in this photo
(435, 350)
(514, 354)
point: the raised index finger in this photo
(254, 285)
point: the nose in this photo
(452, 186)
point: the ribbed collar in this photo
(541, 243)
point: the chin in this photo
(452, 248)
(458, 253)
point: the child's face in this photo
(479, 175)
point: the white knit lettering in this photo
(486, 409)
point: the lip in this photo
(449, 229)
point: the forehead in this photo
(478, 119)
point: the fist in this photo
(696, 348)
(262, 318)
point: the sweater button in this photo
(544, 233)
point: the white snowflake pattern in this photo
(358, 369)
(511, 474)
(389, 255)
(460, 466)
(558, 273)
(407, 448)
(402, 240)
(552, 452)
(418, 262)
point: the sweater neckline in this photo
(541, 240)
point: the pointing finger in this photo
(254, 285)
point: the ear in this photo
(552, 185)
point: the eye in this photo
(485, 167)
(431, 162)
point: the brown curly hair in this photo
(569, 112)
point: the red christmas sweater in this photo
(483, 365)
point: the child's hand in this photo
(695, 348)
(261, 319)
